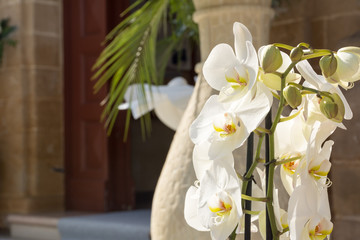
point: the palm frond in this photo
(134, 54)
(129, 57)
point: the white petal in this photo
(252, 59)
(202, 128)
(309, 74)
(223, 231)
(191, 210)
(202, 162)
(287, 180)
(241, 34)
(286, 62)
(347, 66)
(220, 59)
(252, 111)
(324, 206)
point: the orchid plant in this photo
(248, 83)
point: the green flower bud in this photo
(271, 59)
(341, 108)
(328, 108)
(293, 96)
(296, 54)
(328, 65)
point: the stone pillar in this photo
(31, 109)
(215, 19)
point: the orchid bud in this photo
(347, 66)
(328, 65)
(271, 59)
(296, 54)
(328, 107)
(341, 108)
(292, 96)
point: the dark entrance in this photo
(97, 168)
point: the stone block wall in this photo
(331, 24)
(31, 109)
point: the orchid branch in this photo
(269, 195)
(250, 172)
(312, 90)
(263, 130)
(251, 198)
(317, 53)
(287, 160)
(284, 119)
(284, 46)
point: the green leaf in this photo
(137, 53)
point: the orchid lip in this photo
(236, 79)
(220, 203)
(226, 126)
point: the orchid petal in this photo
(241, 34)
(201, 128)
(309, 74)
(202, 162)
(220, 59)
(191, 210)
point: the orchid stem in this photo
(249, 161)
(250, 198)
(284, 46)
(312, 90)
(316, 55)
(271, 167)
(250, 172)
(284, 119)
(263, 130)
(287, 160)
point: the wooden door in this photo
(95, 165)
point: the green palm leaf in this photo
(130, 57)
(135, 55)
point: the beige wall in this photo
(332, 24)
(31, 108)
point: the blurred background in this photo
(55, 156)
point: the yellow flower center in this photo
(237, 80)
(220, 203)
(226, 125)
(290, 167)
(321, 230)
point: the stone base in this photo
(29, 227)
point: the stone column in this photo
(215, 19)
(31, 125)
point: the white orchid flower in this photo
(215, 203)
(290, 142)
(309, 212)
(319, 82)
(272, 80)
(233, 74)
(226, 126)
(293, 139)
(318, 161)
(348, 67)
(316, 165)
(281, 218)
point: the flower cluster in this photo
(248, 81)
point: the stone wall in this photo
(331, 24)
(31, 109)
